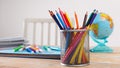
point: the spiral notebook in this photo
(53, 53)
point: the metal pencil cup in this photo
(74, 47)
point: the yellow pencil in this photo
(80, 55)
(81, 50)
(77, 50)
(71, 25)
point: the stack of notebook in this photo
(12, 41)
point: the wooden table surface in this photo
(97, 60)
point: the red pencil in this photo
(62, 15)
(66, 19)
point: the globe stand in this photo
(101, 47)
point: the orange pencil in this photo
(84, 58)
(76, 19)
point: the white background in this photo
(14, 12)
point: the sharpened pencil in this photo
(55, 19)
(76, 19)
(85, 19)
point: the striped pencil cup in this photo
(74, 47)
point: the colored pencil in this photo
(73, 45)
(85, 19)
(62, 15)
(61, 20)
(88, 22)
(67, 21)
(55, 19)
(80, 46)
(71, 25)
(76, 19)
(95, 14)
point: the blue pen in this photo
(29, 50)
(33, 50)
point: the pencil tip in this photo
(86, 12)
(97, 11)
(58, 8)
(49, 10)
(51, 13)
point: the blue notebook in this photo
(53, 53)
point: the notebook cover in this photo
(9, 52)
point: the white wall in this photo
(13, 13)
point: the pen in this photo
(18, 48)
(29, 50)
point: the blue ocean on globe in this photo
(102, 26)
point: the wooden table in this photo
(97, 60)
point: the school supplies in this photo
(75, 41)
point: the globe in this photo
(100, 30)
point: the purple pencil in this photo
(95, 14)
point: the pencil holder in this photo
(74, 47)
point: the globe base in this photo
(101, 49)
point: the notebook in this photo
(53, 53)
(12, 41)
